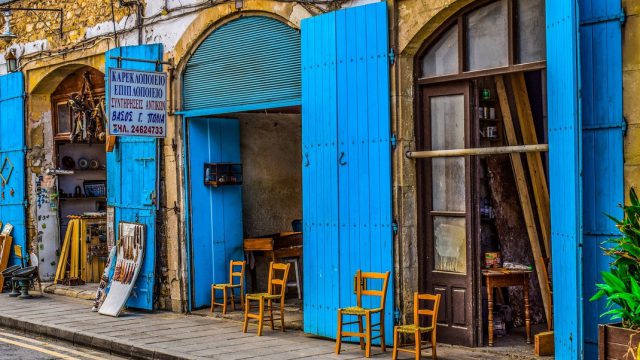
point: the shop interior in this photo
(81, 173)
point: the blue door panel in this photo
(12, 159)
(346, 122)
(216, 213)
(132, 176)
(602, 150)
(565, 176)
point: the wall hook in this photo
(343, 163)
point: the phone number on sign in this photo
(138, 129)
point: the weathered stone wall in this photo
(631, 92)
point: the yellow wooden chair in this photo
(270, 296)
(231, 285)
(415, 329)
(360, 311)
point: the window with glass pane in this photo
(487, 34)
(447, 132)
(64, 118)
(450, 242)
(442, 57)
(531, 30)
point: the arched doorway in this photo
(480, 82)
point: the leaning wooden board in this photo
(5, 250)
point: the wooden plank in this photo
(64, 254)
(5, 250)
(478, 151)
(544, 343)
(525, 200)
(534, 160)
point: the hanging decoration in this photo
(88, 122)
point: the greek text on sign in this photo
(137, 103)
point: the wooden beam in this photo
(534, 160)
(478, 151)
(525, 200)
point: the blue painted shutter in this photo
(565, 152)
(247, 64)
(132, 172)
(216, 212)
(346, 133)
(12, 158)
(602, 142)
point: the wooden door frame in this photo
(424, 196)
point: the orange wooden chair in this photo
(270, 296)
(415, 329)
(231, 285)
(360, 311)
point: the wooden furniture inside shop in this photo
(364, 286)
(499, 278)
(277, 286)
(236, 271)
(416, 329)
(277, 247)
(84, 251)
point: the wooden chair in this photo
(360, 311)
(270, 296)
(415, 329)
(231, 285)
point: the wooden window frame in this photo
(57, 99)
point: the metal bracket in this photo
(394, 141)
(621, 17)
(394, 226)
(158, 63)
(392, 56)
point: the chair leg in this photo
(339, 333)
(224, 301)
(418, 345)
(298, 282)
(394, 354)
(242, 296)
(367, 349)
(282, 315)
(361, 331)
(246, 317)
(383, 346)
(261, 316)
(213, 298)
(270, 302)
(233, 299)
(433, 345)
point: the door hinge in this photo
(620, 17)
(392, 56)
(394, 141)
(396, 316)
(394, 226)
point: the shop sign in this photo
(137, 103)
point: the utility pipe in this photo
(478, 151)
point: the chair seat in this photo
(410, 329)
(357, 310)
(257, 296)
(224, 286)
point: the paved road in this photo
(14, 345)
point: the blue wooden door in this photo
(215, 212)
(346, 160)
(565, 155)
(12, 159)
(132, 175)
(602, 143)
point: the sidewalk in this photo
(164, 335)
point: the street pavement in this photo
(14, 345)
(164, 335)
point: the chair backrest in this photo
(278, 274)
(363, 289)
(236, 274)
(433, 300)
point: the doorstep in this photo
(84, 292)
(164, 335)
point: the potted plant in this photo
(621, 287)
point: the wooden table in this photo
(498, 278)
(276, 246)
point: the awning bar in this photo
(478, 151)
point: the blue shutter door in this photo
(12, 159)
(216, 213)
(602, 136)
(250, 63)
(320, 176)
(346, 160)
(565, 176)
(132, 175)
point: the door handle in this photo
(306, 157)
(343, 163)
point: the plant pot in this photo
(616, 342)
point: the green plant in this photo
(621, 284)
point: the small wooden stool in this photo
(230, 286)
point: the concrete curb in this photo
(103, 343)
